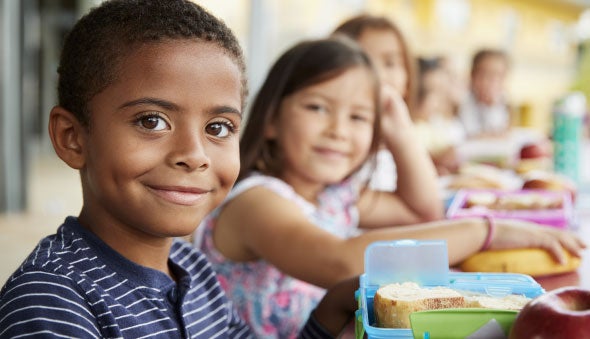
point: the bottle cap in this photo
(572, 104)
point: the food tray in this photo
(556, 216)
(425, 263)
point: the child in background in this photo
(434, 118)
(485, 111)
(406, 168)
(287, 229)
(456, 87)
(384, 42)
(151, 94)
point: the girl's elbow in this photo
(432, 213)
(433, 216)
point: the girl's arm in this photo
(259, 224)
(417, 196)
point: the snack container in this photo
(559, 217)
(425, 263)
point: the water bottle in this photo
(568, 117)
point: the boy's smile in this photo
(181, 195)
(162, 146)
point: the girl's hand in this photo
(447, 161)
(395, 118)
(522, 234)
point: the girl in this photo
(439, 129)
(384, 42)
(486, 112)
(288, 228)
(410, 173)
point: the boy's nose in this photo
(189, 151)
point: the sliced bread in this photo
(393, 303)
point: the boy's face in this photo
(162, 149)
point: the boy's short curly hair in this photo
(93, 49)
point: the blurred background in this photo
(548, 42)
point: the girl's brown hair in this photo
(356, 26)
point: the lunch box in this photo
(557, 217)
(425, 262)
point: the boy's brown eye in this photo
(219, 129)
(152, 122)
(149, 122)
(214, 129)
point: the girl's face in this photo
(324, 131)
(162, 149)
(387, 54)
(488, 78)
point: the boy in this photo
(150, 100)
(485, 111)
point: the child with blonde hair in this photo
(289, 228)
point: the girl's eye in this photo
(360, 117)
(220, 129)
(152, 122)
(392, 62)
(316, 108)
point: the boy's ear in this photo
(67, 136)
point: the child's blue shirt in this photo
(75, 286)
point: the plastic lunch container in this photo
(426, 263)
(556, 217)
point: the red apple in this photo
(534, 150)
(551, 183)
(560, 313)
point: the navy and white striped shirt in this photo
(74, 286)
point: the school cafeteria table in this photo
(581, 277)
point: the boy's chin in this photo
(180, 232)
(177, 226)
(186, 226)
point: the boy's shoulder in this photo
(49, 280)
(51, 260)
